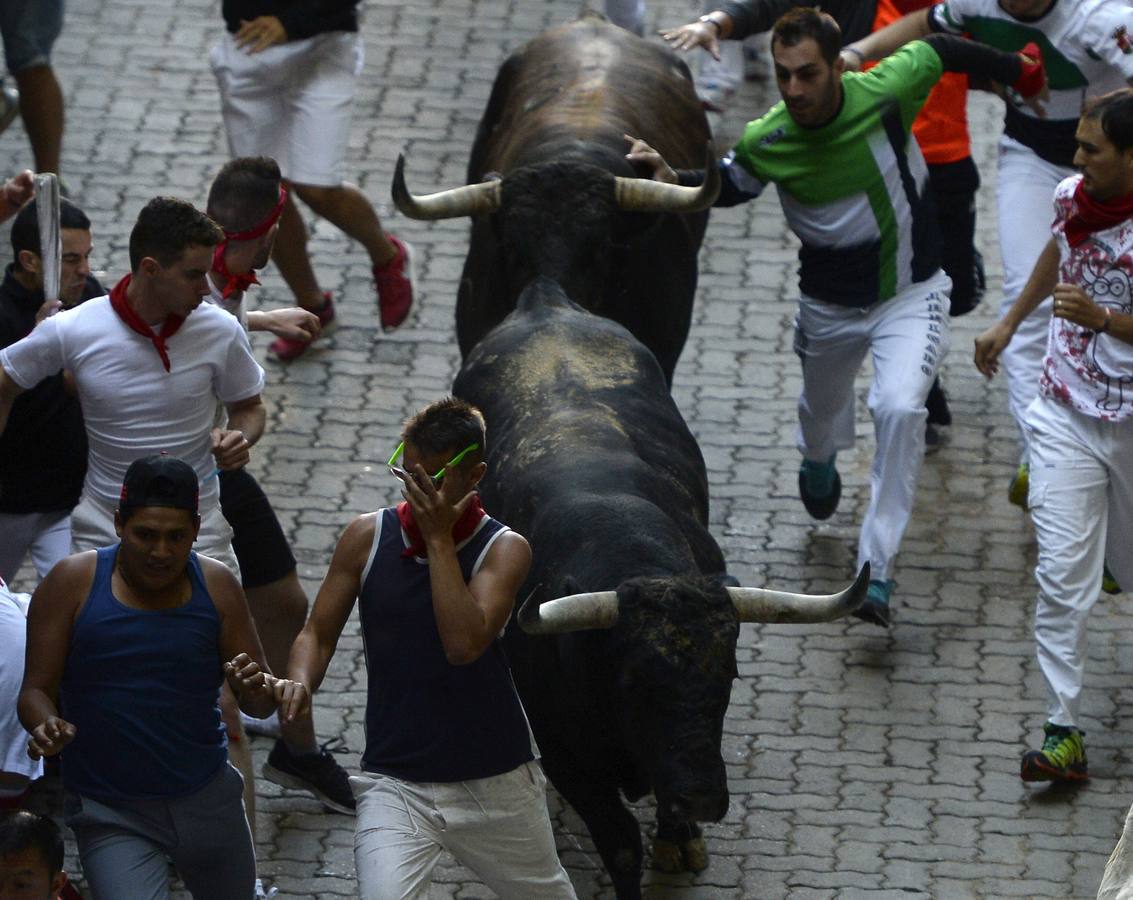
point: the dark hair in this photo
(803, 22)
(1115, 111)
(446, 425)
(244, 192)
(166, 228)
(22, 830)
(25, 227)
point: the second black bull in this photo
(626, 681)
(549, 147)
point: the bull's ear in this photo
(725, 580)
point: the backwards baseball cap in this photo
(160, 481)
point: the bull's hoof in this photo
(667, 857)
(695, 854)
(687, 856)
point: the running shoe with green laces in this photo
(1109, 583)
(1017, 490)
(1062, 758)
(820, 487)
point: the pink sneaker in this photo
(394, 283)
(286, 349)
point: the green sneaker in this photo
(820, 487)
(1109, 583)
(1016, 491)
(875, 609)
(1062, 758)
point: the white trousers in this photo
(1117, 880)
(92, 526)
(1081, 499)
(47, 535)
(498, 827)
(1025, 194)
(907, 338)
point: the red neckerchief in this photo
(232, 283)
(244, 280)
(133, 321)
(1092, 215)
(461, 531)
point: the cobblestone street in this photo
(861, 763)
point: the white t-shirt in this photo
(1086, 370)
(133, 407)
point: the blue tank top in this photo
(426, 719)
(141, 688)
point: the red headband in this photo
(263, 227)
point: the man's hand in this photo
(433, 510)
(293, 324)
(47, 309)
(15, 192)
(293, 698)
(231, 449)
(1074, 304)
(49, 737)
(260, 33)
(990, 345)
(641, 152)
(694, 34)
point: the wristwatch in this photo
(710, 18)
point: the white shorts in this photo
(291, 102)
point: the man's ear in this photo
(58, 881)
(117, 523)
(149, 266)
(478, 471)
(30, 262)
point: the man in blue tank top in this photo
(125, 659)
(450, 763)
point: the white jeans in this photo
(1081, 499)
(92, 526)
(907, 338)
(1025, 195)
(498, 827)
(47, 535)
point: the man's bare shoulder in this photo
(67, 585)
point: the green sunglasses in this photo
(441, 474)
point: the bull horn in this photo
(577, 612)
(760, 605)
(646, 195)
(469, 200)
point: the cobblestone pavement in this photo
(860, 763)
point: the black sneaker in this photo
(317, 773)
(937, 405)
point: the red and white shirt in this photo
(1083, 369)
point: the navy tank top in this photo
(426, 719)
(142, 689)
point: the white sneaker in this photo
(268, 727)
(262, 894)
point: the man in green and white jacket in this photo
(852, 183)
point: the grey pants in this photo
(125, 849)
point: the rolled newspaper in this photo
(50, 238)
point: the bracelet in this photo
(1108, 320)
(854, 50)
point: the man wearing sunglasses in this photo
(450, 763)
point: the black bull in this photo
(554, 132)
(589, 458)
